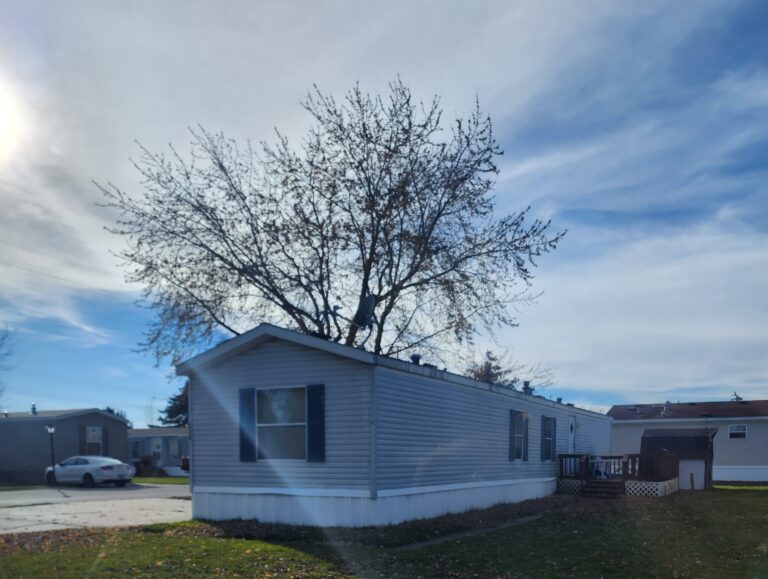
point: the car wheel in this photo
(120, 483)
(49, 479)
(88, 480)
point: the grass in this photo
(741, 486)
(161, 480)
(718, 533)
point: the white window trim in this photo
(731, 432)
(550, 442)
(515, 436)
(258, 389)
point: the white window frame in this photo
(259, 455)
(742, 429)
(549, 443)
(92, 430)
(519, 435)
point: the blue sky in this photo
(643, 130)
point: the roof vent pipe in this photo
(559, 400)
(416, 358)
(34, 410)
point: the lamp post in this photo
(51, 429)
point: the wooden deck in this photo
(605, 475)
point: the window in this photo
(93, 438)
(518, 435)
(548, 438)
(281, 423)
(136, 449)
(737, 431)
(173, 448)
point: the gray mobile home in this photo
(25, 450)
(291, 428)
(159, 447)
(741, 443)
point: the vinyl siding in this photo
(750, 451)
(214, 415)
(25, 450)
(433, 432)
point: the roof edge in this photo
(250, 338)
(73, 414)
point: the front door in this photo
(571, 435)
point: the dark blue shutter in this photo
(247, 425)
(525, 438)
(554, 439)
(316, 423)
(512, 415)
(543, 441)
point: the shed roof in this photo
(679, 432)
(265, 332)
(684, 442)
(673, 410)
(48, 414)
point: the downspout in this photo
(372, 419)
(190, 380)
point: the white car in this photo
(90, 471)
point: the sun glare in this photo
(11, 123)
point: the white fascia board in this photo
(262, 331)
(690, 420)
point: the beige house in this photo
(740, 445)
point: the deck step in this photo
(603, 488)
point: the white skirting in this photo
(392, 506)
(740, 473)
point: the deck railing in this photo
(615, 467)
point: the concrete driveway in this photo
(44, 508)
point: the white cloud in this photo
(639, 308)
(656, 316)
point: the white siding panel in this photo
(214, 418)
(433, 432)
(357, 511)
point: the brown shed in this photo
(694, 448)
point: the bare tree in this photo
(380, 206)
(503, 370)
(6, 349)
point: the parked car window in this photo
(281, 423)
(737, 431)
(103, 460)
(69, 462)
(81, 461)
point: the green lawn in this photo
(741, 486)
(161, 480)
(718, 533)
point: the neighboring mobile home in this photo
(295, 429)
(740, 445)
(159, 447)
(25, 444)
